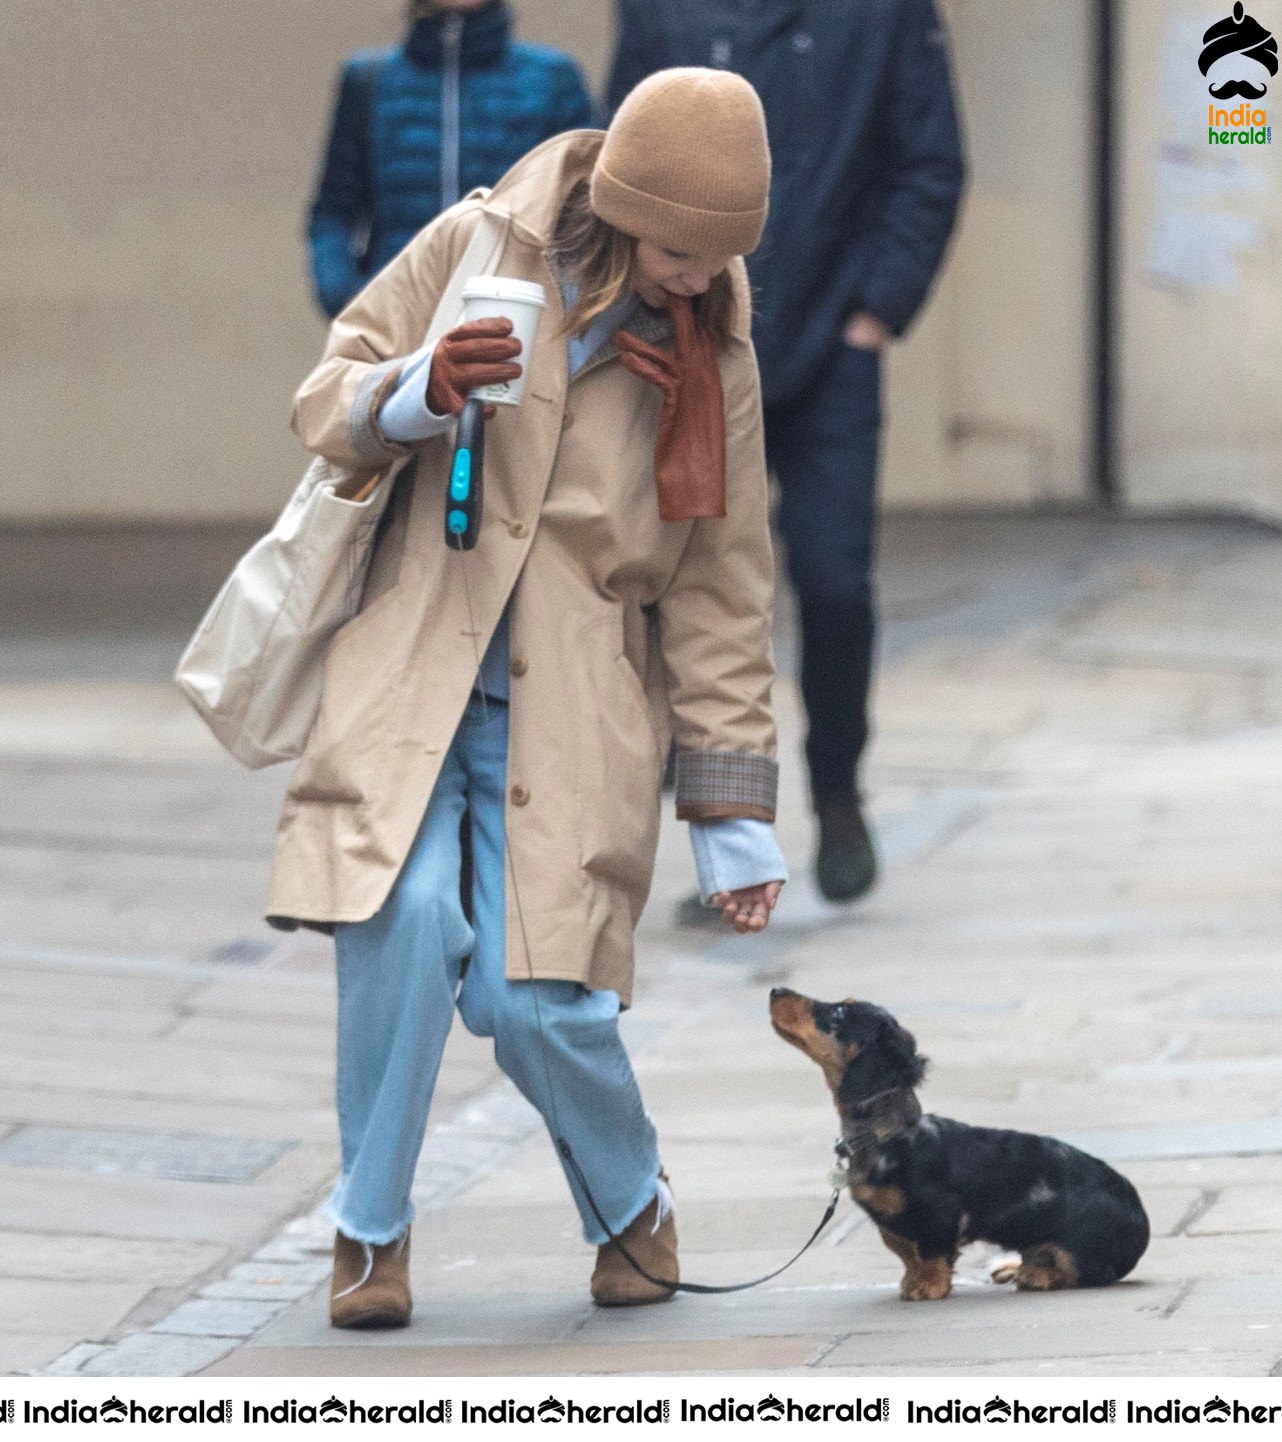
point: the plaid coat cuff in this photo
(717, 785)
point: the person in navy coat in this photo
(868, 177)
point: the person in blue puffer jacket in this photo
(419, 125)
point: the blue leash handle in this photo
(467, 477)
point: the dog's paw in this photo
(926, 1287)
(1042, 1279)
(1047, 1269)
(1005, 1272)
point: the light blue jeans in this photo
(398, 984)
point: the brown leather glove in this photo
(690, 452)
(478, 353)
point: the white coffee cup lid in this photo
(500, 287)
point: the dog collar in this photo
(852, 1149)
(861, 1135)
(849, 1144)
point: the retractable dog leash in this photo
(462, 528)
(467, 479)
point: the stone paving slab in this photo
(1193, 1362)
(220, 1317)
(71, 1258)
(40, 1305)
(304, 1169)
(147, 803)
(172, 1073)
(486, 1320)
(139, 1207)
(118, 899)
(246, 1034)
(186, 1156)
(271, 1292)
(72, 1106)
(260, 1000)
(756, 1355)
(154, 1354)
(70, 1020)
(1009, 1351)
(1227, 1138)
(33, 1351)
(1249, 1300)
(443, 1280)
(140, 721)
(170, 1064)
(877, 1311)
(1242, 1209)
(39, 976)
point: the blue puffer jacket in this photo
(420, 125)
(867, 152)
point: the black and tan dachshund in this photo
(932, 1185)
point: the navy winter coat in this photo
(418, 126)
(868, 167)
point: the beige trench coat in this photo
(625, 631)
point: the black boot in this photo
(846, 863)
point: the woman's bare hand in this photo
(749, 908)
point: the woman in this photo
(618, 598)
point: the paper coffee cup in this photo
(521, 302)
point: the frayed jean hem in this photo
(593, 1233)
(333, 1212)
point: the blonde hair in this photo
(601, 259)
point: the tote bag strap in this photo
(481, 257)
(483, 253)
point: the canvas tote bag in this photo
(255, 666)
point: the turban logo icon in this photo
(1243, 36)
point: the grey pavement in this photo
(1075, 785)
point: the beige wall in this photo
(1201, 296)
(988, 399)
(154, 315)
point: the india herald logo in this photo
(1239, 55)
(1241, 40)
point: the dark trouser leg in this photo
(824, 449)
(836, 669)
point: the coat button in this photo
(520, 795)
(518, 530)
(518, 665)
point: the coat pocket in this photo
(364, 668)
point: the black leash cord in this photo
(699, 1287)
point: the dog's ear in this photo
(887, 1059)
(900, 1048)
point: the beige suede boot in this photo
(371, 1284)
(652, 1239)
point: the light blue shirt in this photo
(728, 855)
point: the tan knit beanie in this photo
(685, 163)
